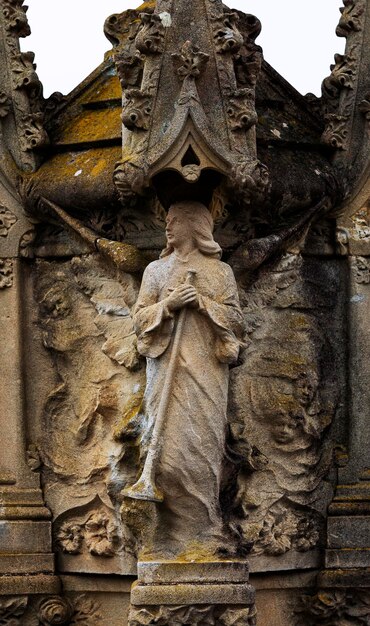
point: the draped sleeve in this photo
(226, 316)
(153, 322)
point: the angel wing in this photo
(113, 295)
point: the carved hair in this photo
(201, 223)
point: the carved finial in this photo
(191, 61)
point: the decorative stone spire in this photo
(189, 78)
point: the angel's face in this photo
(176, 228)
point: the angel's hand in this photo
(182, 296)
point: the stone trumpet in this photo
(125, 256)
(145, 488)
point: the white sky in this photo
(298, 38)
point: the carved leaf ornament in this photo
(11, 609)
(335, 608)
(195, 615)
(228, 38)
(99, 533)
(4, 104)
(362, 270)
(49, 611)
(6, 273)
(33, 133)
(24, 90)
(150, 38)
(350, 20)
(7, 220)
(137, 109)
(15, 17)
(364, 107)
(192, 60)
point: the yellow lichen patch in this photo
(99, 168)
(92, 126)
(284, 363)
(146, 6)
(197, 551)
(132, 410)
(77, 177)
(107, 87)
(72, 166)
(125, 256)
(299, 322)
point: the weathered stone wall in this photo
(295, 477)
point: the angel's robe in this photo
(192, 449)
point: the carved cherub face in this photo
(284, 429)
(306, 387)
(56, 303)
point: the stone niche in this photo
(184, 285)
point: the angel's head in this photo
(190, 220)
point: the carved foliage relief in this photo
(6, 273)
(98, 531)
(361, 270)
(49, 611)
(196, 615)
(7, 220)
(334, 607)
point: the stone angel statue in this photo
(190, 328)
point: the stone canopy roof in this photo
(85, 138)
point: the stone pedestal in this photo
(191, 592)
